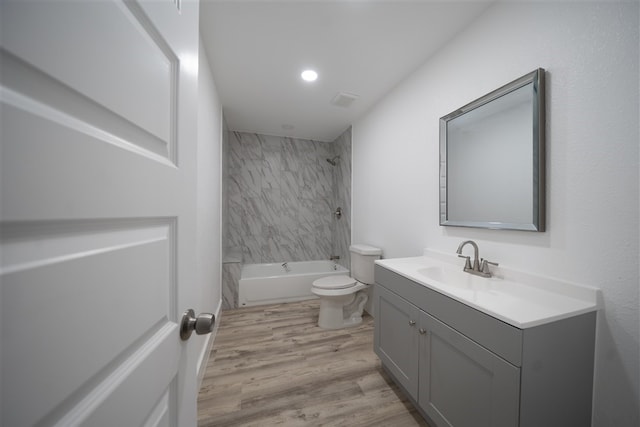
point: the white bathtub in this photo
(271, 283)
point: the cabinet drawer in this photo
(499, 337)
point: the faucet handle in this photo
(485, 265)
(467, 263)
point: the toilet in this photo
(342, 298)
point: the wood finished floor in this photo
(272, 365)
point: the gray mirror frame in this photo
(538, 145)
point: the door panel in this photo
(106, 267)
(66, 166)
(145, 381)
(105, 42)
(97, 212)
(396, 338)
(464, 384)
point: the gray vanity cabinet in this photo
(463, 368)
(454, 380)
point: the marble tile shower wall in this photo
(280, 198)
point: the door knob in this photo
(203, 324)
(422, 331)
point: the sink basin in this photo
(456, 278)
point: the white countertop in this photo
(520, 299)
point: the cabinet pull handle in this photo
(412, 322)
(422, 331)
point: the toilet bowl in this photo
(341, 302)
(342, 298)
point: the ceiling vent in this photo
(343, 99)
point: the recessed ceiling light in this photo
(309, 75)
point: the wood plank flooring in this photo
(272, 365)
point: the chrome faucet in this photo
(479, 268)
(286, 267)
(334, 257)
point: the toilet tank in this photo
(362, 258)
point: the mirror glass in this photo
(492, 159)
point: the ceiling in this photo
(257, 50)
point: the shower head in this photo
(333, 162)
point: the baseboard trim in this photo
(203, 360)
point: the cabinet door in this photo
(396, 337)
(462, 384)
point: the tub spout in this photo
(286, 267)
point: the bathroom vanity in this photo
(512, 350)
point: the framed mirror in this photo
(492, 159)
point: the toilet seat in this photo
(334, 282)
(336, 286)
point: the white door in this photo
(97, 210)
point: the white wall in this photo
(209, 262)
(590, 52)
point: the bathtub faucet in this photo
(286, 267)
(334, 257)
